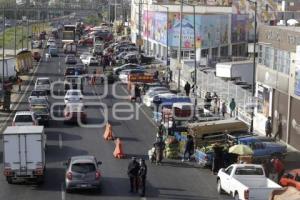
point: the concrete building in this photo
(278, 81)
(219, 33)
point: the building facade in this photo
(218, 32)
(278, 82)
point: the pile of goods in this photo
(172, 148)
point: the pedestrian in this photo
(267, 167)
(156, 74)
(170, 75)
(142, 176)
(189, 148)
(187, 88)
(218, 105)
(279, 129)
(279, 167)
(223, 109)
(133, 170)
(268, 127)
(159, 146)
(137, 93)
(161, 129)
(217, 158)
(232, 106)
(19, 81)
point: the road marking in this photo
(23, 95)
(60, 141)
(143, 198)
(63, 193)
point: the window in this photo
(215, 52)
(224, 51)
(23, 118)
(249, 171)
(228, 170)
(83, 167)
(204, 53)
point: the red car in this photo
(74, 112)
(292, 178)
(86, 42)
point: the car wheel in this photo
(219, 187)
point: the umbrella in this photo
(241, 149)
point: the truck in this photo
(69, 33)
(241, 70)
(9, 67)
(245, 182)
(24, 153)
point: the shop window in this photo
(224, 51)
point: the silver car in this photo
(82, 173)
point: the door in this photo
(35, 151)
(11, 151)
(226, 179)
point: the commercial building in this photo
(278, 82)
(219, 33)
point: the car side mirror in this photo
(99, 163)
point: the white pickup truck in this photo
(245, 182)
(24, 153)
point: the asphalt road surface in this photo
(172, 180)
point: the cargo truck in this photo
(24, 153)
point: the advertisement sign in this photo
(211, 30)
(239, 28)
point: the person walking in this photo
(232, 106)
(268, 127)
(223, 109)
(187, 88)
(159, 146)
(217, 162)
(189, 148)
(279, 129)
(142, 176)
(133, 170)
(19, 81)
(279, 168)
(137, 93)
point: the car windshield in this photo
(38, 93)
(38, 101)
(23, 118)
(83, 167)
(249, 171)
(43, 82)
(74, 93)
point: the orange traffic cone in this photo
(118, 152)
(108, 135)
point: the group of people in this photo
(137, 173)
(269, 128)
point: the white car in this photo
(90, 60)
(245, 181)
(25, 118)
(51, 43)
(38, 94)
(73, 96)
(43, 83)
(148, 100)
(84, 55)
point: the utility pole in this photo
(3, 49)
(16, 19)
(140, 31)
(180, 46)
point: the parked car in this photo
(42, 113)
(36, 56)
(264, 149)
(43, 83)
(70, 59)
(74, 112)
(291, 178)
(82, 172)
(74, 96)
(37, 94)
(134, 58)
(117, 70)
(149, 96)
(245, 181)
(90, 61)
(25, 118)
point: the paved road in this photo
(172, 180)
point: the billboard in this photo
(211, 30)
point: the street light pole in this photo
(3, 49)
(254, 63)
(195, 63)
